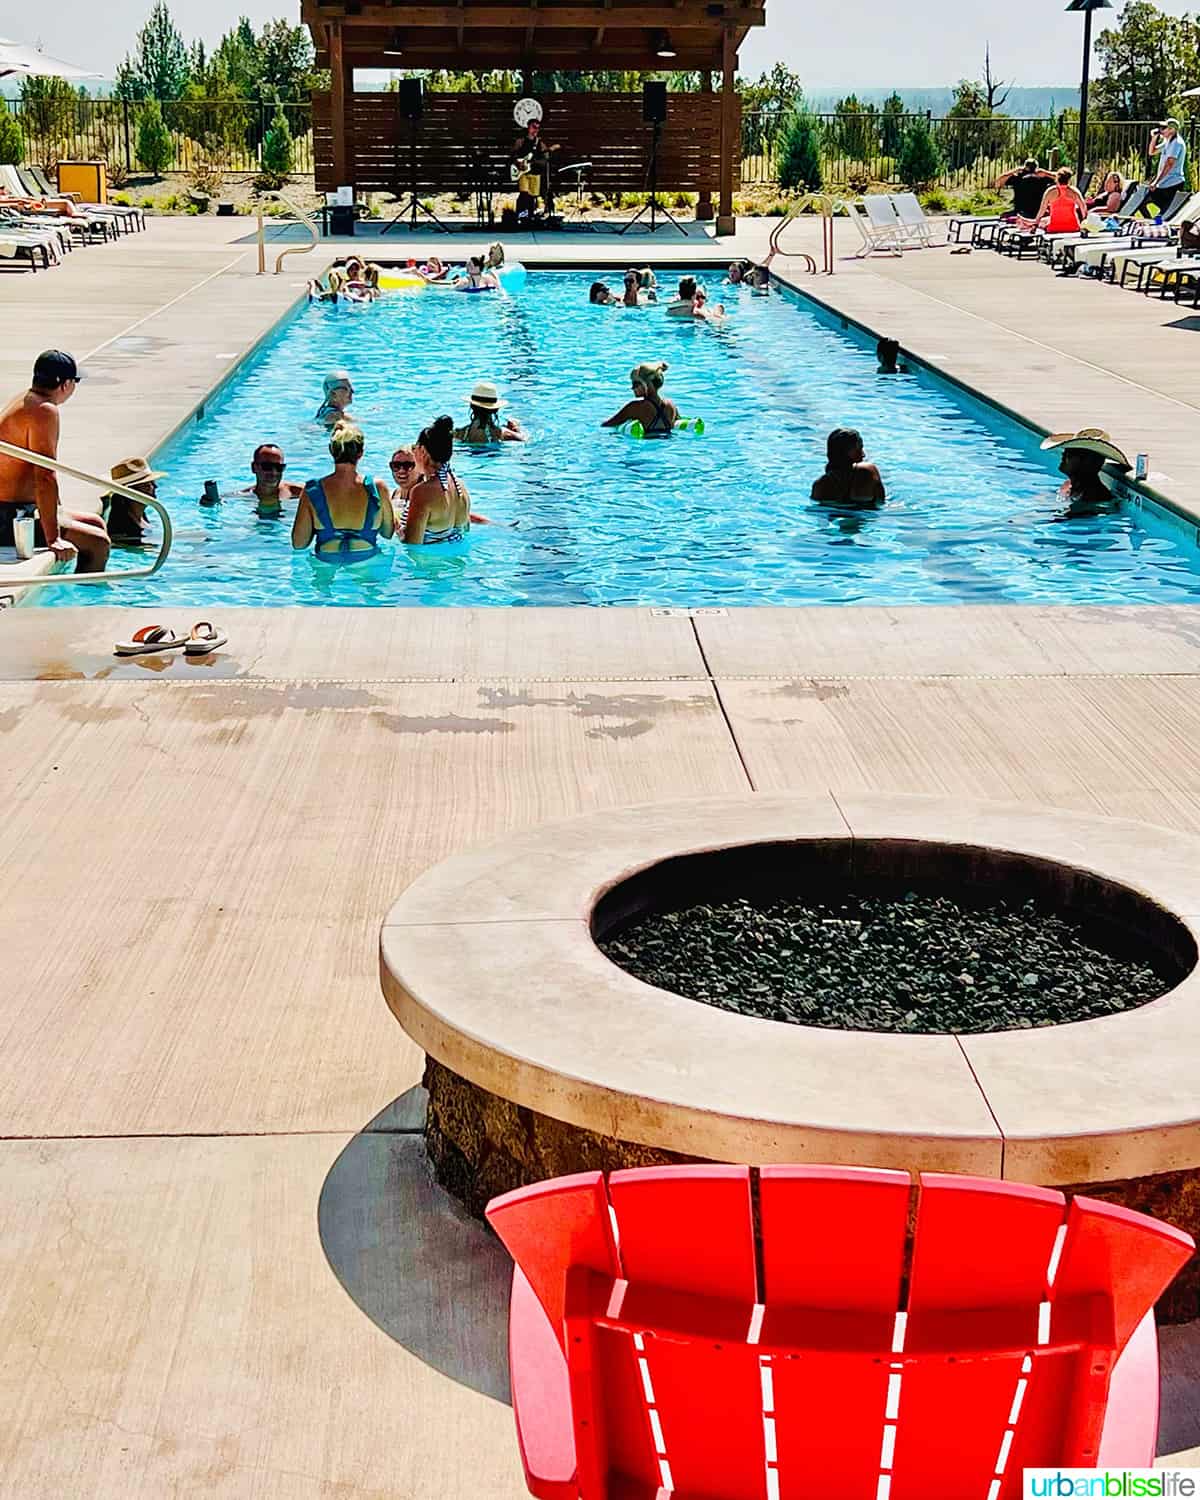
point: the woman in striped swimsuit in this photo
(439, 507)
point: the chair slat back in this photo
(693, 1231)
(834, 1239)
(978, 1246)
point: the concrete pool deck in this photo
(205, 1105)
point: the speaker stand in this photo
(413, 205)
(653, 207)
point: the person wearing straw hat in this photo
(1084, 454)
(126, 518)
(485, 425)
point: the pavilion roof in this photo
(542, 34)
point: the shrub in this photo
(935, 202)
(145, 202)
(206, 180)
(154, 147)
(118, 172)
(122, 200)
(800, 155)
(268, 182)
(11, 144)
(278, 148)
(919, 161)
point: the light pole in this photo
(1087, 7)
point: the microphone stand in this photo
(654, 206)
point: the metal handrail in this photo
(827, 205)
(297, 249)
(113, 488)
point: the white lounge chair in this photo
(915, 227)
(878, 224)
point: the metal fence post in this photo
(125, 127)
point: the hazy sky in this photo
(854, 43)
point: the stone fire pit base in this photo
(480, 1145)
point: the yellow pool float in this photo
(397, 281)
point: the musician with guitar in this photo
(529, 161)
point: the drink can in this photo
(1141, 466)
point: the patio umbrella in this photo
(25, 60)
(1190, 94)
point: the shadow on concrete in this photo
(1179, 1357)
(1189, 325)
(429, 1276)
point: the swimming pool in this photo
(585, 516)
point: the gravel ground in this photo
(916, 963)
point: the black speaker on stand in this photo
(410, 101)
(654, 114)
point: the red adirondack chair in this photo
(658, 1347)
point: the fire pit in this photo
(965, 987)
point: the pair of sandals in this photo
(155, 640)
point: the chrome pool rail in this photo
(110, 486)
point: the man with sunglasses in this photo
(269, 488)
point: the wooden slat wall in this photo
(605, 129)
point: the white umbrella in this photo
(17, 59)
(1190, 94)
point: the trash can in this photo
(341, 218)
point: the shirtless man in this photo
(31, 421)
(270, 489)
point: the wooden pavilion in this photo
(364, 140)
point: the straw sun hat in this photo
(1093, 440)
(131, 471)
(486, 396)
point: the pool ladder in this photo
(827, 207)
(110, 486)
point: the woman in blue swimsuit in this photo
(439, 507)
(343, 516)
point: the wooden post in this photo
(704, 205)
(726, 223)
(337, 104)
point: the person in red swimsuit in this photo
(1063, 209)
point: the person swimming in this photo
(657, 416)
(1083, 456)
(633, 288)
(602, 295)
(476, 279)
(682, 306)
(342, 516)
(328, 286)
(887, 352)
(339, 392)
(439, 507)
(432, 270)
(702, 311)
(848, 479)
(739, 271)
(485, 426)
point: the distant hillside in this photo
(1021, 103)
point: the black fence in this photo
(860, 149)
(227, 133)
(856, 149)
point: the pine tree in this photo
(159, 67)
(800, 155)
(278, 149)
(11, 143)
(919, 161)
(154, 146)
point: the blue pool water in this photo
(586, 516)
